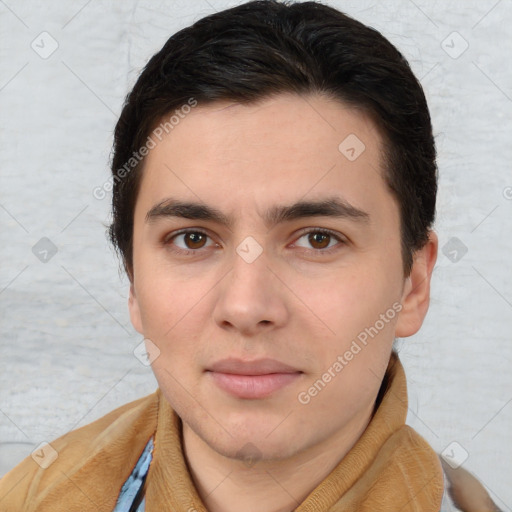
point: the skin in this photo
(294, 303)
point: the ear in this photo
(133, 306)
(416, 293)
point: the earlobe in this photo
(133, 306)
(416, 294)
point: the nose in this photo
(251, 298)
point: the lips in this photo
(252, 379)
(257, 367)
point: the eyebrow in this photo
(330, 207)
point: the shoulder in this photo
(464, 492)
(85, 465)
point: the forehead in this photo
(278, 150)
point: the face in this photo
(268, 272)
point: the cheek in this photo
(358, 312)
(167, 301)
(350, 299)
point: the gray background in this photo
(67, 343)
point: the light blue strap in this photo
(134, 482)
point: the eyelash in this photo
(323, 231)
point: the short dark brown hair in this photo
(266, 47)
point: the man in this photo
(274, 193)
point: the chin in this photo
(247, 438)
(257, 449)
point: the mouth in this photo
(252, 379)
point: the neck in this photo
(232, 485)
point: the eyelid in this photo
(307, 231)
(169, 236)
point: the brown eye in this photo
(194, 240)
(188, 242)
(319, 240)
